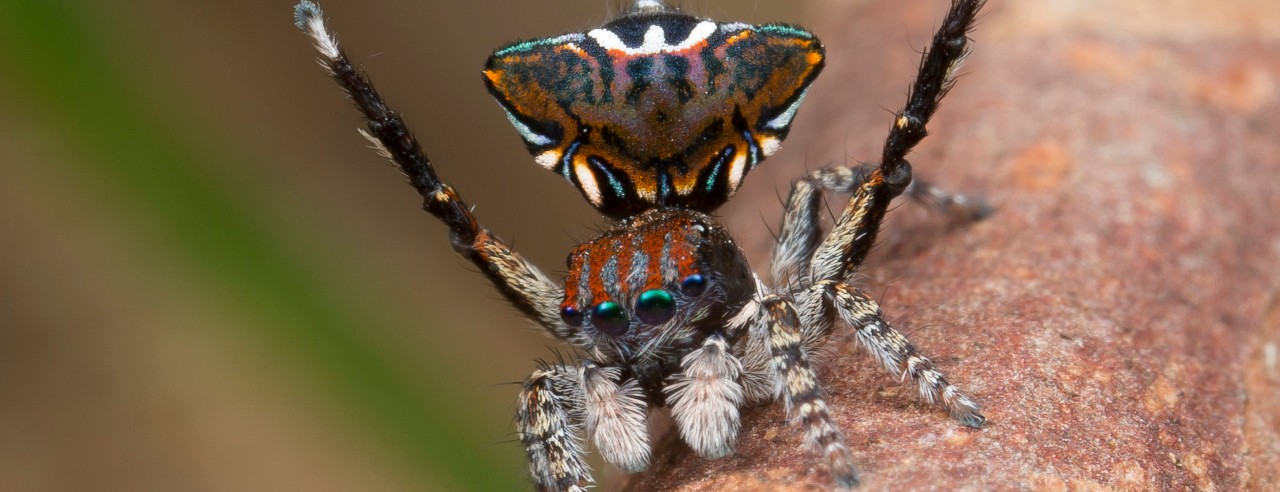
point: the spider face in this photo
(659, 282)
(657, 108)
(656, 118)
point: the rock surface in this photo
(1117, 317)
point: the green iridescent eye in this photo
(609, 318)
(655, 306)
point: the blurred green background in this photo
(208, 282)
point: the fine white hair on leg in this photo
(705, 397)
(758, 381)
(899, 356)
(308, 17)
(753, 350)
(616, 417)
(801, 230)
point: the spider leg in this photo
(801, 230)
(938, 69)
(705, 397)
(850, 240)
(801, 227)
(521, 282)
(965, 208)
(802, 392)
(616, 417)
(547, 420)
(898, 355)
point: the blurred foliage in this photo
(142, 162)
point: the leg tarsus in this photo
(899, 356)
(963, 208)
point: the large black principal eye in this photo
(655, 306)
(610, 318)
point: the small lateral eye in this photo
(694, 285)
(571, 316)
(610, 318)
(655, 306)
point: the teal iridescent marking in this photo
(754, 149)
(711, 178)
(723, 156)
(537, 43)
(527, 133)
(618, 190)
(781, 29)
(566, 162)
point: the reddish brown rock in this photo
(1117, 317)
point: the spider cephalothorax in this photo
(657, 283)
(656, 118)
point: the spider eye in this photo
(571, 316)
(694, 285)
(655, 306)
(609, 317)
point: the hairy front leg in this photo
(547, 421)
(846, 247)
(520, 281)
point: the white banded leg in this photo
(803, 393)
(898, 355)
(549, 432)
